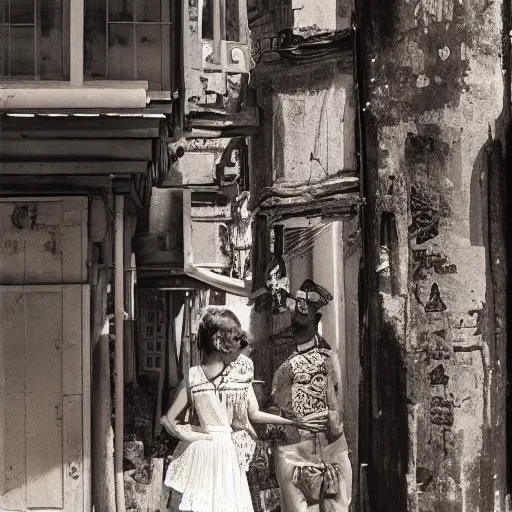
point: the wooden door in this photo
(44, 398)
(43, 240)
(44, 354)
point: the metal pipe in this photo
(69, 97)
(119, 353)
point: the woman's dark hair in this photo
(220, 330)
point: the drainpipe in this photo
(228, 284)
(119, 354)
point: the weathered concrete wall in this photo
(307, 116)
(308, 14)
(434, 87)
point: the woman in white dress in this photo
(207, 473)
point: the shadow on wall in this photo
(390, 417)
(477, 206)
(508, 306)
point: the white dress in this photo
(207, 473)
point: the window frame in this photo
(71, 20)
(152, 330)
(74, 44)
(166, 10)
(222, 48)
(74, 18)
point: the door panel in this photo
(14, 450)
(44, 397)
(43, 454)
(73, 452)
(43, 240)
(43, 340)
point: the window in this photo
(129, 40)
(230, 20)
(231, 17)
(152, 346)
(152, 329)
(207, 19)
(34, 39)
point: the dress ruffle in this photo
(209, 477)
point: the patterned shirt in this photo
(308, 384)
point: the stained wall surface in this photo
(434, 94)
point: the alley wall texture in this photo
(433, 111)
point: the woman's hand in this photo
(169, 427)
(165, 423)
(184, 432)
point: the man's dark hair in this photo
(220, 330)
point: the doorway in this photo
(44, 355)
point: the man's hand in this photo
(316, 422)
(313, 425)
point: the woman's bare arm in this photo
(257, 416)
(169, 420)
(179, 404)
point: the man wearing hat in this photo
(311, 468)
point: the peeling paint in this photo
(51, 246)
(430, 135)
(422, 81)
(444, 53)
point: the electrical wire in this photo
(299, 241)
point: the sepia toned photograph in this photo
(254, 255)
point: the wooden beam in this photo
(101, 127)
(162, 279)
(76, 43)
(16, 185)
(72, 168)
(248, 118)
(107, 149)
(70, 98)
(150, 111)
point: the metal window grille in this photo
(153, 330)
